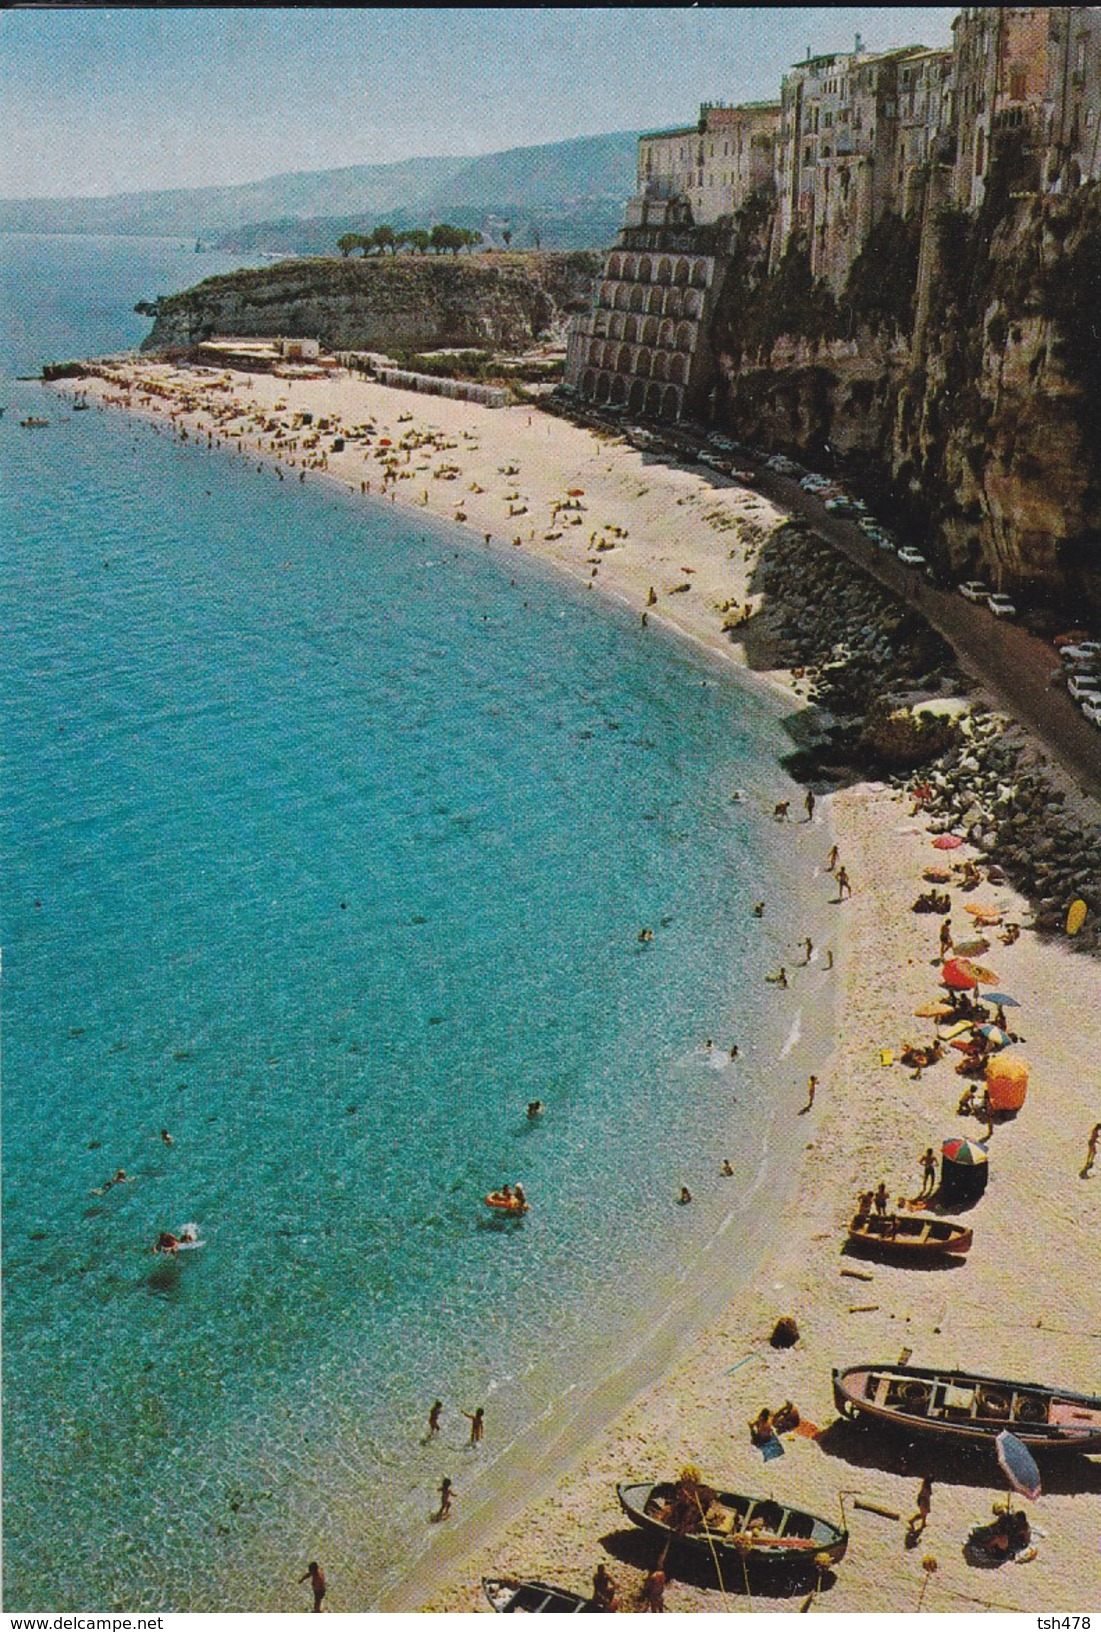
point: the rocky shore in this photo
(895, 705)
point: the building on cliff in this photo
(644, 345)
(856, 135)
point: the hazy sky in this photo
(103, 101)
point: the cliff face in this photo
(405, 302)
(972, 410)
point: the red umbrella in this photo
(575, 492)
(947, 841)
(957, 974)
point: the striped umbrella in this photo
(964, 1152)
(994, 1035)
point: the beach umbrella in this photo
(957, 974)
(934, 1011)
(983, 914)
(984, 976)
(1076, 916)
(956, 1031)
(1002, 999)
(947, 841)
(575, 492)
(995, 1035)
(964, 1152)
(1007, 1082)
(1018, 1464)
(970, 949)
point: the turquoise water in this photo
(327, 840)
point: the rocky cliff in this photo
(392, 304)
(957, 379)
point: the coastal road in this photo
(1014, 665)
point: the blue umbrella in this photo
(1018, 1465)
(1003, 998)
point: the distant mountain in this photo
(556, 181)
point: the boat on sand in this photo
(909, 1235)
(964, 1406)
(722, 1524)
(510, 1597)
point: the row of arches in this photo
(658, 365)
(662, 401)
(648, 331)
(655, 299)
(662, 269)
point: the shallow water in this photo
(328, 839)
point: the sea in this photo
(329, 837)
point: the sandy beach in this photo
(678, 547)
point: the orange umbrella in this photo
(1007, 1081)
(934, 1011)
(984, 976)
(575, 492)
(984, 914)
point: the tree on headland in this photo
(507, 236)
(416, 239)
(383, 238)
(445, 237)
(346, 244)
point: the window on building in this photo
(1018, 83)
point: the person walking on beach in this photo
(928, 1172)
(808, 948)
(920, 1517)
(1091, 1151)
(315, 1575)
(604, 1590)
(809, 804)
(434, 1419)
(945, 937)
(477, 1424)
(844, 888)
(831, 859)
(812, 1084)
(444, 1509)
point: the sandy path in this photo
(1027, 1302)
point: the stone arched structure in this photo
(692, 303)
(596, 353)
(622, 296)
(670, 403)
(650, 331)
(630, 328)
(638, 297)
(656, 300)
(616, 325)
(699, 274)
(615, 265)
(682, 271)
(588, 382)
(653, 399)
(677, 369)
(645, 269)
(668, 334)
(665, 270)
(658, 368)
(674, 303)
(636, 397)
(603, 387)
(619, 389)
(630, 268)
(642, 362)
(686, 334)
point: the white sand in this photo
(1027, 1302)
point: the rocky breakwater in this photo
(889, 701)
(397, 303)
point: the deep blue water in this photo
(327, 839)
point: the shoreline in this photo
(868, 1122)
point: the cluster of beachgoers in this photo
(849, 1431)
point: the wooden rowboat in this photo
(506, 1204)
(909, 1235)
(753, 1529)
(510, 1597)
(964, 1406)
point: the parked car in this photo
(911, 557)
(1085, 649)
(1084, 684)
(1091, 708)
(784, 466)
(1001, 606)
(882, 540)
(974, 590)
(841, 507)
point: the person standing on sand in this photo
(1091, 1151)
(653, 1593)
(844, 888)
(881, 1198)
(831, 859)
(444, 1509)
(604, 1590)
(928, 1173)
(945, 937)
(809, 804)
(434, 1419)
(477, 1424)
(315, 1575)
